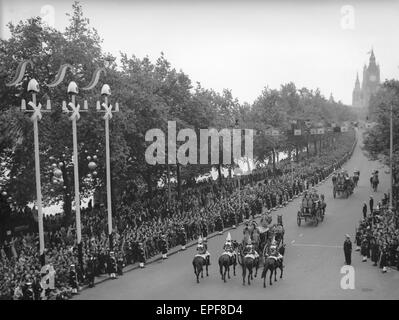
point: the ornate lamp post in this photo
(75, 116)
(36, 110)
(107, 108)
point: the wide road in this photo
(314, 258)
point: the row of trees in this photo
(150, 94)
(377, 138)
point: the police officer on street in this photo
(348, 250)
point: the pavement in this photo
(313, 259)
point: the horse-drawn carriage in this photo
(343, 186)
(311, 210)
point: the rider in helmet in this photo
(207, 254)
(274, 252)
(228, 246)
(200, 246)
(249, 249)
(202, 250)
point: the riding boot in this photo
(208, 258)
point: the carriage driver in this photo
(202, 250)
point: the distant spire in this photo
(357, 82)
(372, 56)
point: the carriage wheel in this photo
(298, 220)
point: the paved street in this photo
(313, 259)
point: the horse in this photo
(226, 261)
(271, 264)
(198, 263)
(247, 263)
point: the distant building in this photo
(370, 84)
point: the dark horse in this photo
(272, 264)
(247, 263)
(226, 261)
(198, 264)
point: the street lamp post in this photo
(36, 109)
(391, 158)
(107, 108)
(75, 110)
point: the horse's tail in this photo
(221, 266)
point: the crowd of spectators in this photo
(377, 236)
(205, 209)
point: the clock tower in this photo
(370, 84)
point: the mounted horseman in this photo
(228, 258)
(200, 260)
(273, 260)
(248, 259)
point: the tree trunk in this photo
(67, 195)
(169, 191)
(315, 147)
(67, 206)
(178, 174)
(274, 159)
(320, 145)
(220, 174)
(296, 153)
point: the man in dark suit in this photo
(371, 203)
(364, 210)
(348, 250)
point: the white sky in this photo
(242, 45)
